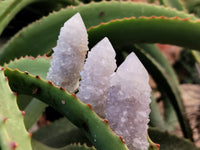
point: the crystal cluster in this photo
(69, 54)
(128, 99)
(99, 65)
(123, 97)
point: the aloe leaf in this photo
(152, 145)
(10, 117)
(96, 129)
(156, 119)
(196, 55)
(174, 31)
(40, 40)
(36, 66)
(59, 134)
(174, 4)
(39, 146)
(155, 52)
(166, 86)
(168, 141)
(9, 8)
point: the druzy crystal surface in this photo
(95, 76)
(128, 99)
(69, 54)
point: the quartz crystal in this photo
(69, 54)
(99, 65)
(128, 99)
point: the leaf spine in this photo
(122, 140)
(38, 77)
(23, 113)
(89, 106)
(74, 95)
(13, 145)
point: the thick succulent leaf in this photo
(193, 6)
(11, 120)
(156, 53)
(59, 134)
(36, 66)
(173, 3)
(196, 55)
(42, 35)
(96, 129)
(39, 146)
(9, 8)
(182, 32)
(156, 119)
(165, 84)
(170, 142)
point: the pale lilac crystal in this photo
(99, 65)
(69, 54)
(128, 99)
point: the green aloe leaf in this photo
(174, 31)
(174, 4)
(11, 120)
(96, 129)
(39, 146)
(42, 35)
(196, 55)
(168, 141)
(36, 66)
(9, 8)
(60, 133)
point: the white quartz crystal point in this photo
(99, 65)
(127, 106)
(69, 54)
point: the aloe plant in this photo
(26, 60)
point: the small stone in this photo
(69, 54)
(128, 99)
(99, 65)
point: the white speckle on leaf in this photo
(63, 101)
